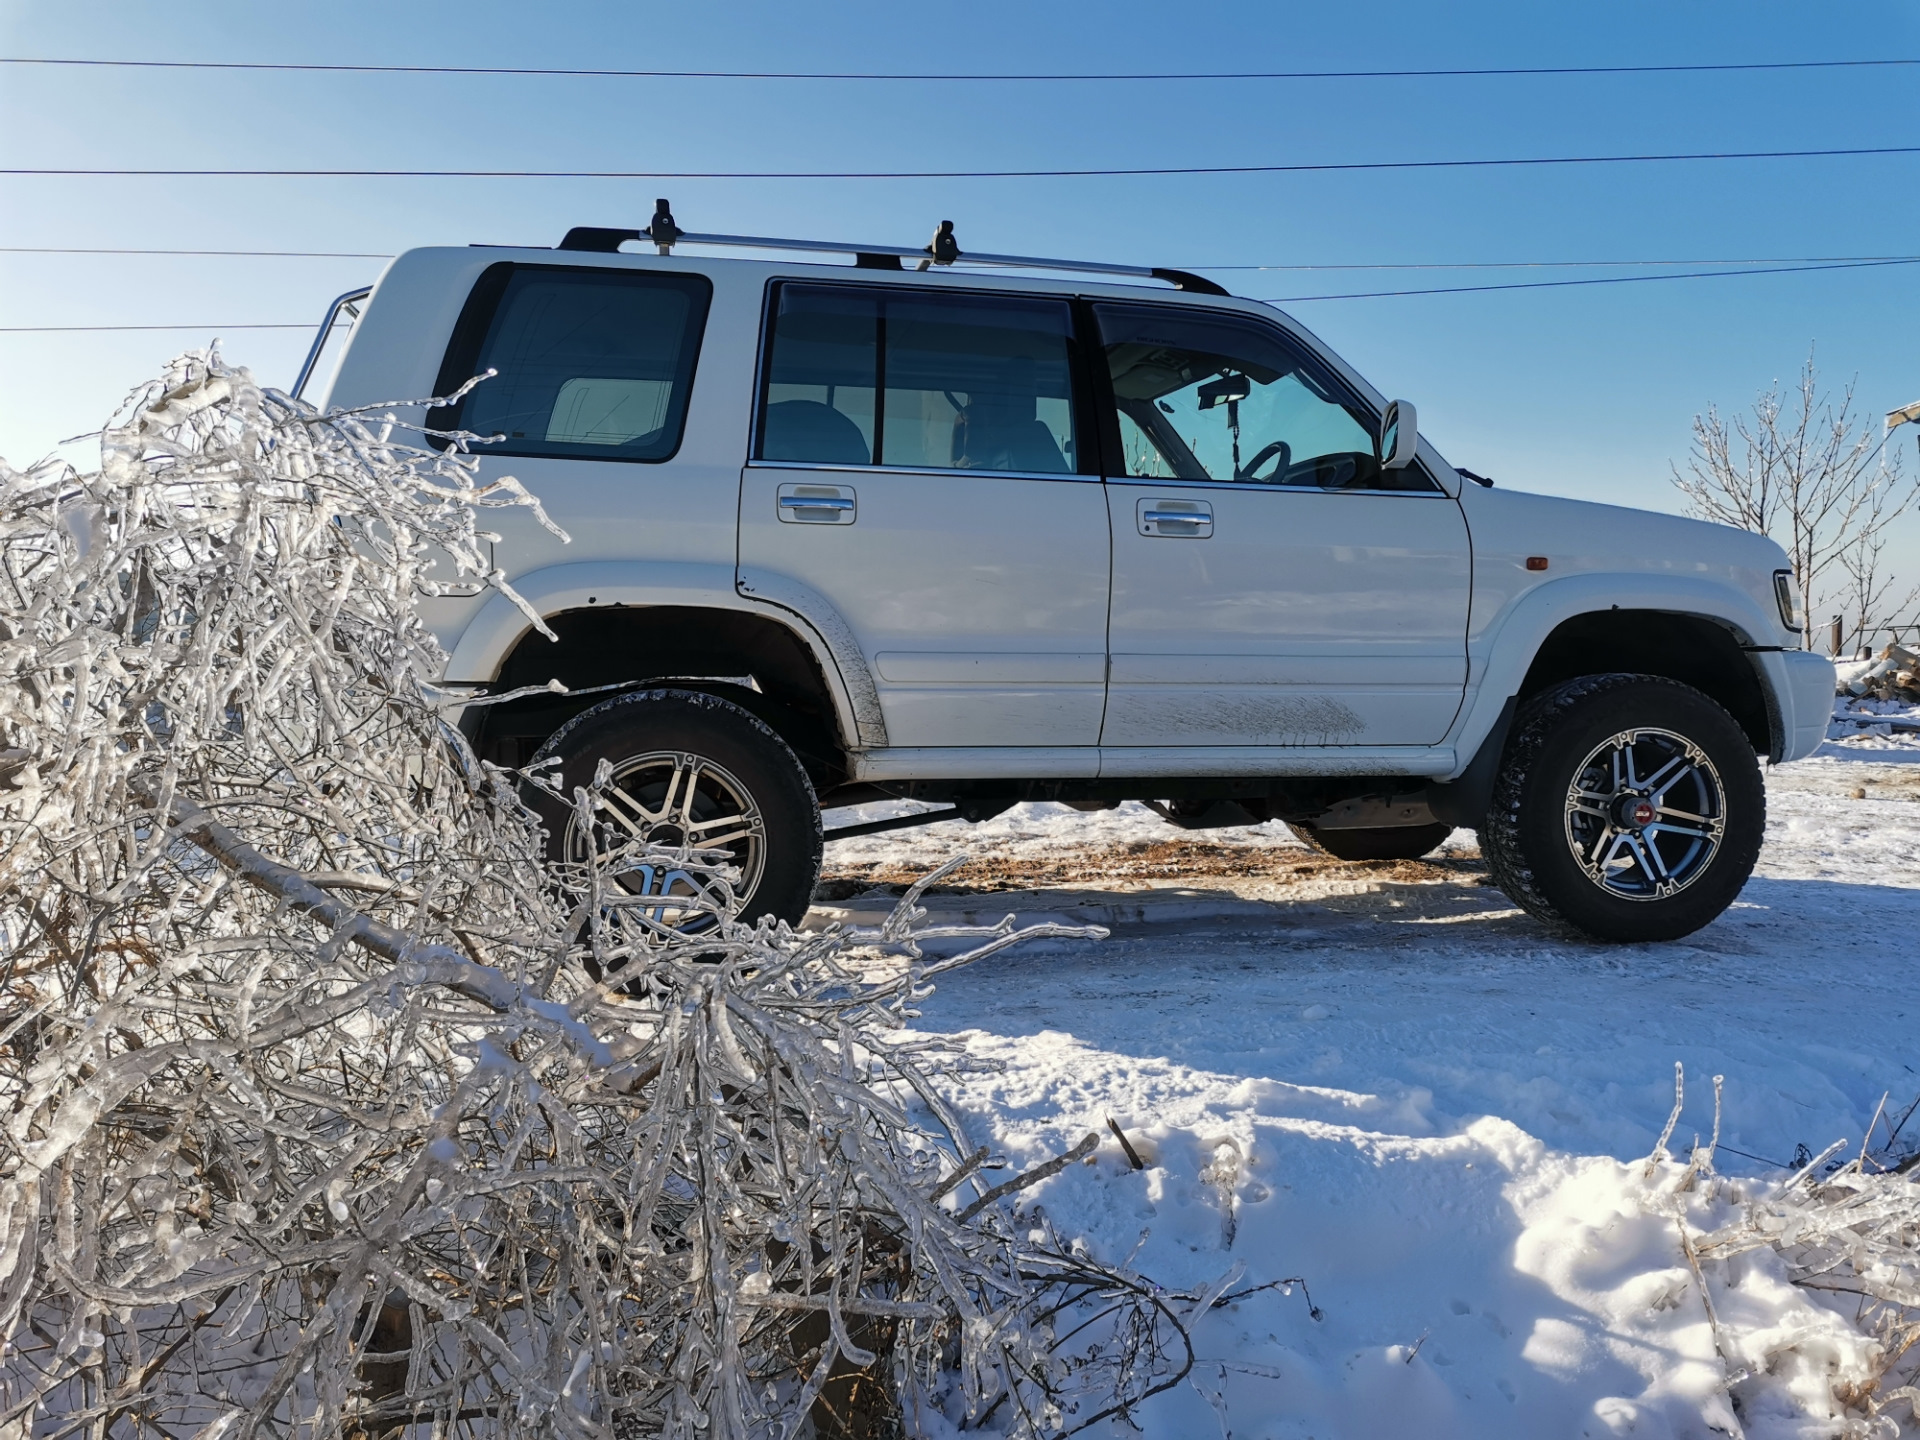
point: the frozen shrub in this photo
(315, 1123)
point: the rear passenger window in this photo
(593, 363)
(930, 382)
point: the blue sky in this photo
(1584, 390)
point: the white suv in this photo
(849, 532)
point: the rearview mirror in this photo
(1399, 436)
(1230, 388)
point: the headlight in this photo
(1784, 598)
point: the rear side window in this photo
(593, 364)
(930, 382)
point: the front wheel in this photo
(687, 768)
(1628, 807)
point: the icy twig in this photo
(1031, 1177)
(1659, 1153)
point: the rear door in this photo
(1272, 585)
(918, 465)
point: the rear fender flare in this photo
(500, 625)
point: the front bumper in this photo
(1802, 684)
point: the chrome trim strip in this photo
(929, 471)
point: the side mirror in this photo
(1399, 436)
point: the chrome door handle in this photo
(1175, 519)
(817, 505)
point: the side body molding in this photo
(1499, 655)
(600, 584)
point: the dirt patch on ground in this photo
(1143, 863)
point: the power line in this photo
(917, 76)
(1571, 264)
(251, 254)
(1050, 174)
(75, 329)
(1272, 300)
(1600, 280)
(1271, 269)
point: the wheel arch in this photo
(1696, 650)
(1504, 655)
(621, 624)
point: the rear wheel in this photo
(1629, 807)
(1386, 842)
(688, 768)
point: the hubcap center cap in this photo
(1633, 812)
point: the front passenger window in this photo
(1209, 397)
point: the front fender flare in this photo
(1499, 656)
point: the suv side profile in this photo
(849, 533)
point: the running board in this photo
(898, 822)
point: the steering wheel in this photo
(1267, 452)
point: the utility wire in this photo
(1276, 269)
(253, 254)
(1098, 76)
(1050, 174)
(1600, 280)
(1273, 300)
(76, 329)
(1571, 264)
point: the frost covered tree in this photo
(317, 1123)
(1805, 470)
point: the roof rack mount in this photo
(664, 234)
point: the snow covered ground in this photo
(1438, 1114)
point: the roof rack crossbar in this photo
(589, 238)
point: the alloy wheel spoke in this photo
(1617, 841)
(1653, 783)
(1662, 828)
(739, 817)
(716, 842)
(680, 772)
(1666, 811)
(1652, 862)
(616, 803)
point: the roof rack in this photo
(664, 233)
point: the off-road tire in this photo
(1385, 842)
(714, 729)
(1526, 836)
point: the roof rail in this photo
(664, 233)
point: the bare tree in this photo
(1870, 585)
(1808, 471)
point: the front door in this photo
(918, 467)
(1271, 584)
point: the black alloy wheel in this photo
(1627, 807)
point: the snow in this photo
(1441, 1113)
